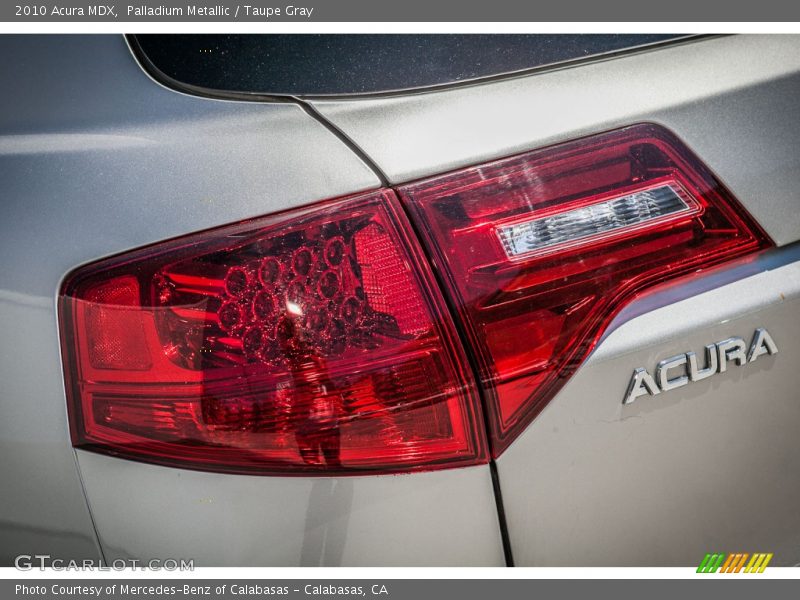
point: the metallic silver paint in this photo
(442, 518)
(102, 159)
(42, 506)
(96, 159)
(660, 481)
(596, 482)
(733, 100)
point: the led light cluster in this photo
(284, 299)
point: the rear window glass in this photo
(306, 64)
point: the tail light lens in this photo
(308, 341)
(317, 341)
(540, 251)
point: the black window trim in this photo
(167, 81)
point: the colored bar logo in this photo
(734, 563)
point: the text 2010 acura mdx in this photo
(400, 300)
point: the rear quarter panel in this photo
(97, 159)
(711, 467)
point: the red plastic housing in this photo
(532, 315)
(317, 341)
(308, 341)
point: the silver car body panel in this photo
(98, 159)
(711, 466)
(733, 100)
(442, 518)
(708, 467)
(119, 162)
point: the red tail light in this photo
(540, 251)
(308, 341)
(317, 341)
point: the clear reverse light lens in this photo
(605, 218)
